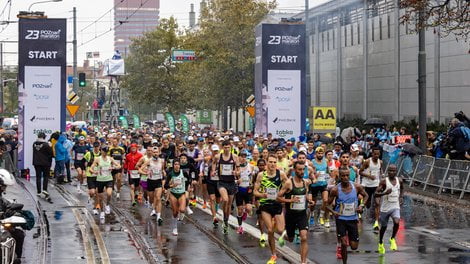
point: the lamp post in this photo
(42, 2)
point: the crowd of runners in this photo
(289, 186)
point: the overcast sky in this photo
(90, 10)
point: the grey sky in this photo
(89, 10)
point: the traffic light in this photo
(81, 79)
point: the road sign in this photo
(72, 109)
(69, 79)
(251, 100)
(204, 116)
(73, 97)
(251, 110)
(324, 119)
(183, 55)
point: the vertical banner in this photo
(171, 122)
(136, 121)
(185, 122)
(41, 82)
(280, 80)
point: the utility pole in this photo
(75, 79)
(422, 83)
(308, 94)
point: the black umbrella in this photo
(412, 149)
(375, 121)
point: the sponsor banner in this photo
(280, 80)
(42, 82)
(324, 119)
(171, 122)
(185, 123)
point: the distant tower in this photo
(192, 17)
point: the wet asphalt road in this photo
(429, 233)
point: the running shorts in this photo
(315, 190)
(231, 187)
(295, 220)
(385, 216)
(243, 197)
(272, 208)
(101, 185)
(347, 227)
(212, 189)
(135, 181)
(153, 184)
(143, 184)
(79, 164)
(91, 182)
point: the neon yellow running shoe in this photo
(281, 239)
(262, 240)
(272, 260)
(376, 225)
(381, 249)
(322, 221)
(393, 244)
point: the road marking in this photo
(285, 251)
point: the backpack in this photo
(466, 132)
(29, 217)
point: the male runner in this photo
(80, 149)
(91, 178)
(117, 153)
(320, 186)
(244, 196)
(371, 172)
(391, 191)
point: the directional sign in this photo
(324, 119)
(183, 55)
(72, 109)
(73, 97)
(251, 110)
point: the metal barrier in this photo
(8, 250)
(439, 174)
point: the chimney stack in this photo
(192, 17)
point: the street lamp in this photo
(41, 2)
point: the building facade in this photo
(134, 17)
(365, 62)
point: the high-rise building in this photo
(135, 17)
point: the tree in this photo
(224, 44)
(452, 16)
(151, 74)
(10, 91)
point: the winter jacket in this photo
(42, 153)
(60, 150)
(457, 139)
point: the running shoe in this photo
(175, 231)
(376, 225)
(393, 244)
(204, 206)
(327, 223)
(180, 217)
(215, 222)
(134, 203)
(118, 195)
(240, 230)
(160, 221)
(322, 221)
(95, 211)
(193, 202)
(312, 221)
(190, 212)
(359, 215)
(381, 249)
(272, 260)
(244, 216)
(45, 193)
(338, 252)
(107, 209)
(102, 216)
(262, 240)
(153, 213)
(225, 226)
(281, 239)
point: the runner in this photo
(244, 196)
(294, 193)
(391, 191)
(175, 183)
(134, 178)
(187, 166)
(283, 163)
(91, 177)
(346, 209)
(371, 172)
(267, 186)
(80, 149)
(320, 187)
(117, 153)
(102, 166)
(229, 170)
(154, 168)
(211, 183)
(263, 238)
(144, 176)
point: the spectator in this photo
(60, 158)
(68, 144)
(42, 159)
(460, 144)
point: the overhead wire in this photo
(99, 18)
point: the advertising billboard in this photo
(280, 80)
(41, 82)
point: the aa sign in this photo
(324, 119)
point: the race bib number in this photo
(349, 209)
(227, 169)
(156, 174)
(321, 176)
(272, 193)
(215, 177)
(300, 205)
(245, 181)
(134, 174)
(106, 171)
(80, 156)
(177, 181)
